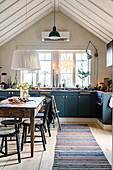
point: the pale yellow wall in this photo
(31, 39)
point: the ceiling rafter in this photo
(89, 14)
(5, 6)
(104, 5)
(83, 17)
(97, 11)
(25, 16)
(20, 13)
(31, 19)
(86, 24)
(94, 15)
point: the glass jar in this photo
(25, 94)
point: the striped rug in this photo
(76, 148)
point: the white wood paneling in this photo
(94, 15)
(85, 23)
(85, 26)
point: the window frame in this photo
(74, 65)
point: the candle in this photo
(53, 78)
(56, 79)
(21, 93)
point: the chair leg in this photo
(2, 143)
(5, 145)
(42, 134)
(58, 121)
(18, 147)
(45, 128)
(25, 134)
(49, 127)
(23, 138)
(29, 130)
(54, 122)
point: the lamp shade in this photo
(54, 34)
(89, 56)
(25, 60)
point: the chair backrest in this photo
(46, 108)
(52, 109)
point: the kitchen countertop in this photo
(60, 90)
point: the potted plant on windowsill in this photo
(45, 73)
(82, 74)
(15, 85)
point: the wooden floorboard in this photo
(43, 160)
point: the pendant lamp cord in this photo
(54, 12)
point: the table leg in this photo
(32, 128)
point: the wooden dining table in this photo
(23, 110)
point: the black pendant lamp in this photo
(96, 51)
(54, 34)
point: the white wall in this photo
(31, 39)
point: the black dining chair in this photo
(39, 124)
(6, 132)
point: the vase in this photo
(25, 94)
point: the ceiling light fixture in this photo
(54, 34)
(25, 59)
(96, 51)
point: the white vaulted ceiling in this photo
(94, 15)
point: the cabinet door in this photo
(34, 94)
(85, 105)
(71, 106)
(59, 99)
(107, 111)
(4, 94)
(14, 93)
(93, 105)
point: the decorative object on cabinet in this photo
(54, 34)
(106, 82)
(96, 51)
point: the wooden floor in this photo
(43, 160)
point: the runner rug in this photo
(76, 148)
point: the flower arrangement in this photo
(24, 86)
(24, 94)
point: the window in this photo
(82, 70)
(44, 75)
(30, 77)
(66, 65)
(74, 74)
(45, 72)
(73, 66)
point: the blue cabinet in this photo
(71, 105)
(10, 93)
(85, 104)
(75, 104)
(104, 112)
(34, 94)
(67, 103)
(4, 94)
(60, 103)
